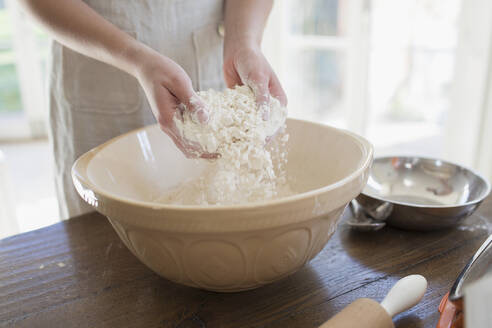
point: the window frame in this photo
(31, 123)
(354, 44)
(468, 130)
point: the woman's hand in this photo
(244, 64)
(168, 88)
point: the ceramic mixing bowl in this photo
(223, 248)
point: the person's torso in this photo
(187, 31)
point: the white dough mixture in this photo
(237, 130)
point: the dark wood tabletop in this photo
(79, 274)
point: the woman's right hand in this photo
(168, 88)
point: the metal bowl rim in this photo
(473, 202)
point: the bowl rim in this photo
(367, 157)
(463, 167)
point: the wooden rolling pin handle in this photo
(364, 312)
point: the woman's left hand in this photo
(245, 64)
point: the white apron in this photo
(91, 102)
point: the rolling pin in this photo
(366, 312)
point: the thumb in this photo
(180, 86)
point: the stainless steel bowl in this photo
(426, 194)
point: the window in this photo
(23, 54)
(411, 69)
(308, 45)
(27, 198)
(10, 98)
(382, 68)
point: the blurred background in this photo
(412, 76)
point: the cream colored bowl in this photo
(223, 248)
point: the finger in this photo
(198, 109)
(277, 91)
(210, 155)
(268, 139)
(167, 109)
(180, 86)
(179, 143)
(259, 84)
(231, 76)
(190, 149)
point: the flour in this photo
(245, 171)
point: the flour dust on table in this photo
(247, 169)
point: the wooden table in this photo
(78, 274)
